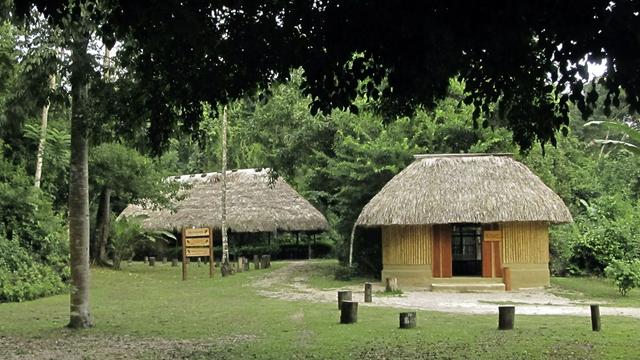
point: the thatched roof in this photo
(254, 204)
(464, 188)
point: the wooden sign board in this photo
(196, 242)
(196, 232)
(492, 235)
(199, 241)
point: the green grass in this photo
(225, 318)
(589, 289)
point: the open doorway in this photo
(466, 249)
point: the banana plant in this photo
(630, 135)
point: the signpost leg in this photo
(184, 256)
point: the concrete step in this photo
(458, 287)
(467, 280)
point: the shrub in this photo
(22, 277)
(127, 234)
(344, 273)
(625, 274)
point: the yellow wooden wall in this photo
(525, 243)
(406, 245)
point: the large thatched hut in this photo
(255, 203)
(455, 219)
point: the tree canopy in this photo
(522, 62)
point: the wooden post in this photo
(146, 260)
(595, 317)
(506, 317)
(391, 284)
(349, 312)
(174, 262)
(506, 273)
(265, 262)
(268, 261)
(152, 261)
(164, 259)
(343, 296)
(199, 261)
(367, 292)
(184, 255)
(245, 263)
(212, 263)
(408, 320)
(240, 267)
(256, 262)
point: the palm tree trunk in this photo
(224, 266)
(44, 116)
(80, 316)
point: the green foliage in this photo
(26, 215)
(344, 273)
(33, 245)
(127, 234)
(23, 276)
(625, 274)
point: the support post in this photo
(368, 292)
(343, 296)
(595, 317)
(408, 320)
(506, 273)
(506, 317)
(349, 312)
(184, 254)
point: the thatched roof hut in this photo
(464, 188)
(255, 203)
(481, 218)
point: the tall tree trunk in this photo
(80, 316)
(103, 224)
(44, 116)
(224, 266)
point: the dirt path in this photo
(290, 283)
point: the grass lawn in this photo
(593, 289)
(323, 272)
(152, 313)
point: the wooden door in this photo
(441, 251)
(491, 261)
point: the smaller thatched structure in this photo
(465, 215)
(255, 203)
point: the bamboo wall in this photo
(525, 243)
(406, 245)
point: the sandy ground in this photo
(290, 283)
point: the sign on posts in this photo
(196, 242)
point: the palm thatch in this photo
(255, 203)
(464, 188)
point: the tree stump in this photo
(408, 320)
(368, 292)
(349, 312)
(174, 262)
(595, 317)
(391, 284)
(256, 262)
(164, 259)
(152, 261)
(343, 296)
(199, 261)
(245, 264)
(264, 262)
(146, 260)
(268, 261)
(506, 317)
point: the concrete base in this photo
(529, 275)
(408, 275)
